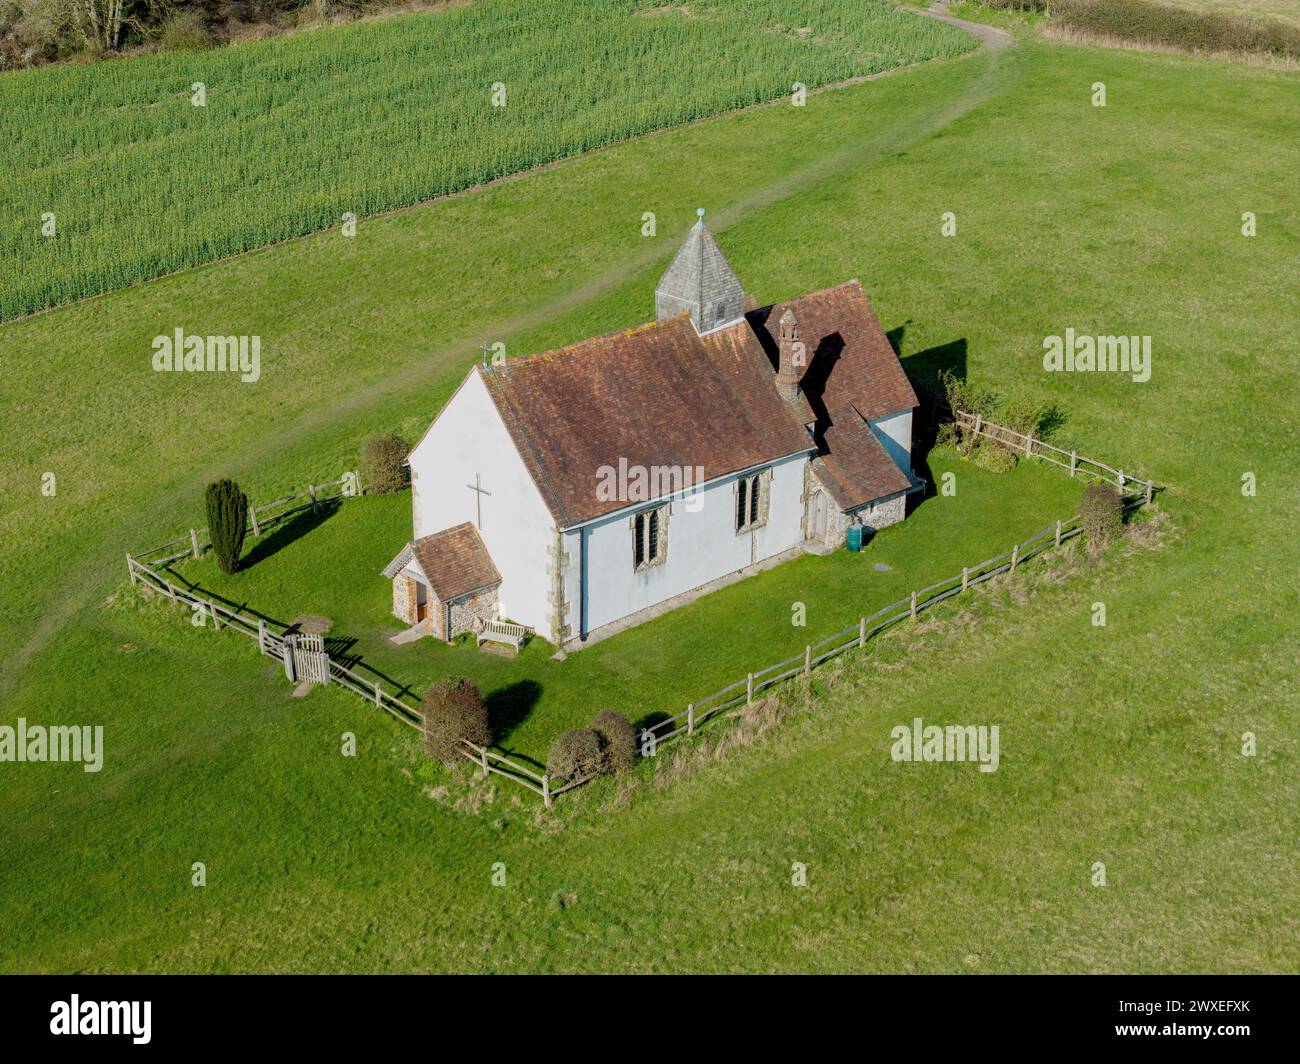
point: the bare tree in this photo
(101, 21)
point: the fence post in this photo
(311, 490)
(261, 635)
(546, 791)
(1074, 461)
(379, 695)
(913, 605)
(130, 568)
(807, 660)
(486, 770)
(252, 518)
(216, 621)
(862, 632)
(690, 719)
(194, 542)
(1119, 481)
(1029, 445)
(749, 690)
(1015, 553)
(1058, 533)
(965, 577)
(1150, 488)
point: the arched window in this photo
(751, 501)
(648, 537)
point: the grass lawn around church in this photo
(329, 564)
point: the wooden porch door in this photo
(421, 602)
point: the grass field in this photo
(296, 132)
(1282, 10)
(331, 566)
(1120, 744)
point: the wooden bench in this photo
(502, 632)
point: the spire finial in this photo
(699, 213)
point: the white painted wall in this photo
(469, 437)
(895, 434)
(702, 546)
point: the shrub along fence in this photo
(1078, 465)
(1134, 492)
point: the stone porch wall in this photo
(468, 614)
(404, 603)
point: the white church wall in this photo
(702, 546)
(469, 437)
(895, 434)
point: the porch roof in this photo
(453, 563)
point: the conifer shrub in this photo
(453, 709)
(1101, 514)
(617, 737)
(227, 508)
(574, 754)
(382, 468)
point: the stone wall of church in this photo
(469, 613)
(882, 514)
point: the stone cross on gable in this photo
(480, 491)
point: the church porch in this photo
(445, 584)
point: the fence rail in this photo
(259, 520)
(688, 720)
(1076, 463)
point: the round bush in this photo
(453, 710)
(381, 464)
(995, 458)
(1101, 513)
(574, 754)
(617, 740)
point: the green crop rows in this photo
(297, 131)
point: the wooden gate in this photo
(305, 659)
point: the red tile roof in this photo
(662, 395)
(456, 562)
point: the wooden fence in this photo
(260, 520)
(1078, 465)
(696, 713)
(269, 642)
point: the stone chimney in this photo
(791, 361)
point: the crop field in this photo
(1120, 744)
(294, 133)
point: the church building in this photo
(586, 489)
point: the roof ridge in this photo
(631, 330)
